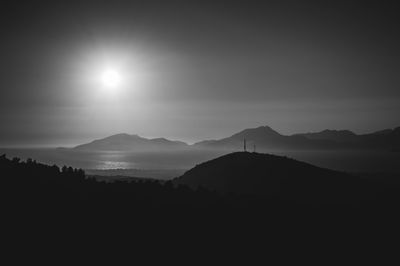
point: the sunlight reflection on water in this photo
(358, 161)
(105, 165)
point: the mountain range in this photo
(126, 142)
(262, 139)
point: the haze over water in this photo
(177, 162)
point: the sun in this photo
(111, 78)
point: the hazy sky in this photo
(195, 70)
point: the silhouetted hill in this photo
(126, 142)
(387, 139)
(335, 135)
(270, 175)
(265, 139)
(63, 206)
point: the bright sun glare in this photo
(111, 78)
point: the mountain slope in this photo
(384, 139)
(265, 138)
(269, 175)
(334, 135)
(125, 142)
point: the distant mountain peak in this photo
(127, 142)
(261, 138)
(258, 131)
(331, 134)
(265, 128)
(123, 135)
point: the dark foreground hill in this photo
(48, 210)
(276, 176)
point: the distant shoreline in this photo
(158, 174)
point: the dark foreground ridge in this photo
(268, 175)
(290, 198)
